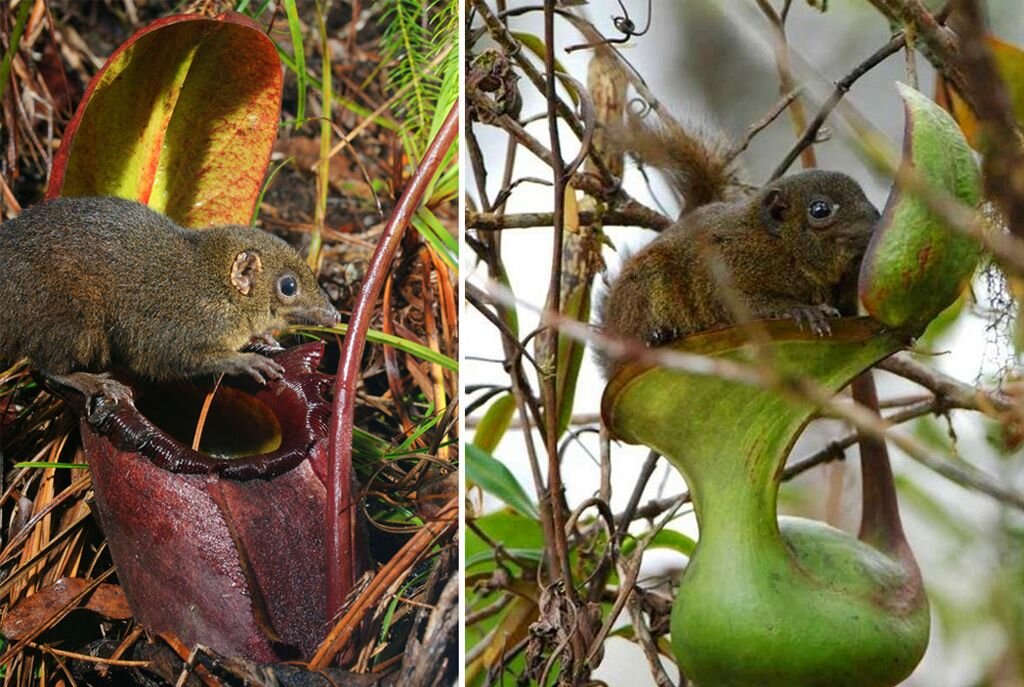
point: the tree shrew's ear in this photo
(775, 207)
(243, 272)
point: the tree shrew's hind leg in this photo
(101, 391)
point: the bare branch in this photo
(633, 215)
(842, 87)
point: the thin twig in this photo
(549, 337)
(626, 517)
(842, 87)
(939, 43)
(629, 570)
(956, 393)
(477, 298)
(646, 642)
(760, 125)
(785, 72)
(633, 215)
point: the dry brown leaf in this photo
(108, 600)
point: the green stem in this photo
(19, 29)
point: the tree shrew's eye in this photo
(820, 210)
(287, 286)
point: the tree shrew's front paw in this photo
(264, 344)
(814, 317)
(259, 367)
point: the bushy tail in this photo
(696, 161)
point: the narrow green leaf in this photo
(434, 235)
(664, 539)
(266, 185)
(45, 464)
(491, 475)
(533, 555)
(570, 355)
(674, 541)
(495, 422)
(510, 315)
(443, 234)
(12, 47)
(408, 43)
(446, 183)
(449, 90)
(404, 345)
(295, 29)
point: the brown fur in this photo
(779, 266)
(694, 161)
(91, 284)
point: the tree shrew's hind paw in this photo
(662, 336)
(102, 393)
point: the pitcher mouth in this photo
(250, 431)
(237, 424)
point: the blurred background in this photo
(712, 62)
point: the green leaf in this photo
(449, 89)
(570, 359)
(943, 323)
(196, 103)
(295, 29)
(407, 447)
(509, 314)
(674, 541)
(535, 556)
(520, 535)
(404, 345)
(13, 41)
(439, 238)
(916, 266)
(266, 185)
(58, 466)
(446, 183)
(494, 423)
(415, 34)
(491, 475)
(578, 269)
